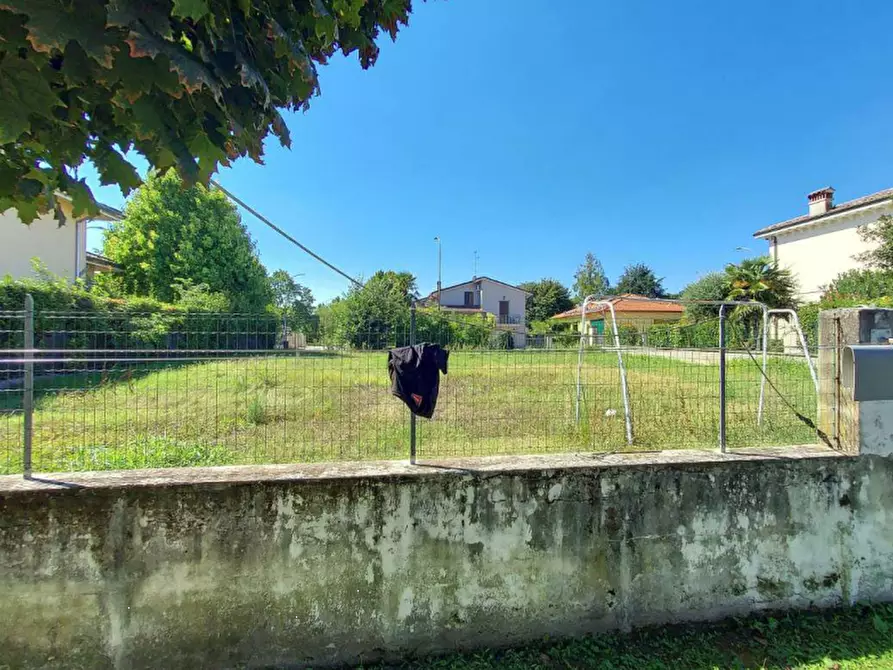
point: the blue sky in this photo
(643, 131)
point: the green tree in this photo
(711, 287)
(189, 84)
(880, 235)
(376, 315)
(590, 279)
(171, 233)
(293, 301)
(861, 285)
(762, 280)
(547, 298)
(640, 279)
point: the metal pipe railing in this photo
(623, 385)
(803, 344)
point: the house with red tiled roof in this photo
(822, 243)
(637, 311)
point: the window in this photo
(469, 298)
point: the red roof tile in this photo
(864, 201)
(625, 304)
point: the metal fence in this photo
(98, 391)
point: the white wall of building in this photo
(818, 252)
(487, 295)
(63, 250)
(493, 293)
(455, 297)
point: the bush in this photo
(629, 336)
(69, 316)
(664, 336)
(702, 335)
(864, 285)
(808, 316)
(504, 340)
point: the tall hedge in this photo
(72, 317)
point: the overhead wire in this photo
(279, 230)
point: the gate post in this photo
(28, 385)
(412, 417)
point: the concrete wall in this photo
(819, 252)
(251, 567)
(62, 249)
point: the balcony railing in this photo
(509, 319)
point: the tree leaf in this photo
(191, 9)
(81, 197)
(281, 130)
(114, 169)
(23, 91)
(53, 24)
(193, 74)
(137, 76)
(158, 74)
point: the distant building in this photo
(483, 295)
(632, 310)
(62, 249)
(822, 243)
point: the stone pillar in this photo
(850, 426)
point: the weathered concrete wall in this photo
(225, 567)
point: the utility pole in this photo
(439, 268)
(475, 275)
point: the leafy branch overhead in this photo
(190, 84)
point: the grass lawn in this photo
(851, 639)
(337, 406)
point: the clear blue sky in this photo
(643, 131)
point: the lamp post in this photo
(439, 268)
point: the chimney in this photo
(821, 201)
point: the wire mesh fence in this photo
(150, 390)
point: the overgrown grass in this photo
(853, 639)
(333, 407)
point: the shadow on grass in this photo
(859, 638)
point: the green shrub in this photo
(808, 316)
(256, 412)
(504, 340)
(866, 285)
(69, 316)
(702, 335)
(629, 336)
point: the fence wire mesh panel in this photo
(12, 339)
(523, 401)
(156, 391)
(114, 391)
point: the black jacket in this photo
(415, 376)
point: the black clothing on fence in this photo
(415, 377)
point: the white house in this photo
(483, 295)
(822, 243)
(62, 249)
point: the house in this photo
(484, 295)
(61, 248)
(822, 243)
(629, 310)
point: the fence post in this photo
(28, 385)
(412, 417)
(722, 379)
